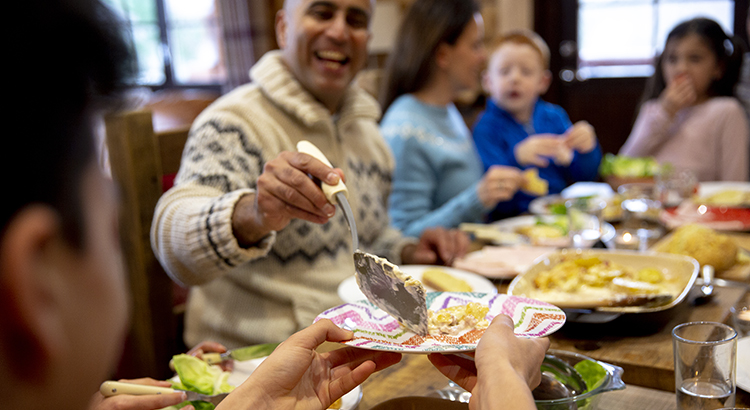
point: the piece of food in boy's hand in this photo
(532, 184)
(441, 280)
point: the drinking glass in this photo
(675, 185)
(640, 212)
(584, 220)
(705, 360)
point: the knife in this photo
(113, 388)
(334, 193)
(380, 281)
(241, 354)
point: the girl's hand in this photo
(498, 184)
(581, 137)
(678, 95)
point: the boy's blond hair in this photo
(524, 37)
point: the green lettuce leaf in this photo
(592, 373)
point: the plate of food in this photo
(377, 330)
(550, 230)
(612, 281)
(724, 193)
(434, 279)
(555, 205)
(743, 356)
(501, 262)
(719, 205)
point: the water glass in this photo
(640, 212)
(705, 360)
(584, 220)
(741, 318)
(674, 186)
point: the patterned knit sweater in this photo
(267, 292)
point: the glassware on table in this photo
(705, 360)
(584, 220)
(640, 213)
(673, 186)
(741, 318)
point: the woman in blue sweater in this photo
(439, 178)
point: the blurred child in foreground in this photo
(690, 117)
(519, 129)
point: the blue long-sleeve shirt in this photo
(437, 167)
(497, 133)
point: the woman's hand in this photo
(505, 369)
(211, 347)
(145, 402)
(296, 376)
(678, 95)
(498, 184)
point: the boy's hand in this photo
(678, 95)
(581, 137)
(537, 149)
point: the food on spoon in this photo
(532, 184)
(443, 281)
(592, 280)
(455, 319)
(704, 244)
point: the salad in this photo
(624, 166)
(196, 375)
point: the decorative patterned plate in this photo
(376, 330)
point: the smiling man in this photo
(245, 225)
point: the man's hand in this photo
(537, 149)
(581, 137)
(678, 95)
(437, 246)
(296, 376)
(499, 183)
(284, 192)
(146, 402)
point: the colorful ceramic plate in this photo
(377, 330)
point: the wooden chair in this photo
(139, 158)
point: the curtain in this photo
(248, 31)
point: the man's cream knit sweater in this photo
(266, 293)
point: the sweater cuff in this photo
(221, 236)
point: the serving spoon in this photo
(707, 288)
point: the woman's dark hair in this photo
(70, 60)
(728, 51)
(427, 24)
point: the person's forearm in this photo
(502, 388)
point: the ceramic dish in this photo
(683, 270)
(349, 292)
(743, 356)
(512, 225)
(376, 330)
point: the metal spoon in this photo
(707, 288)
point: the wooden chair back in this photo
(139, 158)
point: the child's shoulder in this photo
(724, 106)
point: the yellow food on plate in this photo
(443, 281)
(704, 244)
(455, 319)
(532, 184)
(539, 232)
(596, 278)
(729, 197)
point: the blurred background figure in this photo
(439, 180)
(521, 130)
(689, 116)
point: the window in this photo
(178, 42)
(619, 38)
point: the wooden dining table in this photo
(646, 357)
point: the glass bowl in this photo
(588, 400)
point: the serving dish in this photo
(645, 318)
(349, 292)
(375, 329)
(513, 225)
